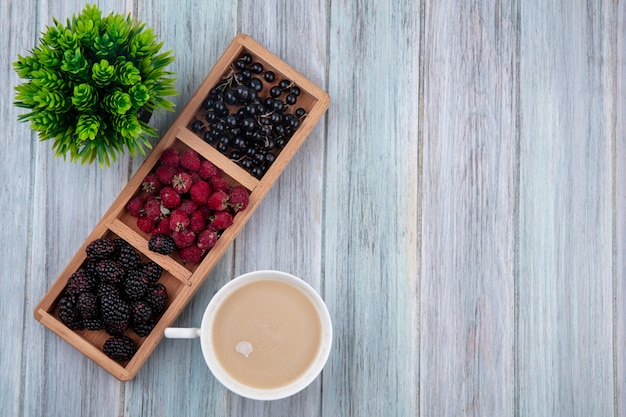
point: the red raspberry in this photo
(162, 227)
(221, 220)
(190, 160)
(238, 198)
(151, 184)
(135, 206)
(207, 239)
(218, 183)
(200, 192)
(170, 157)
(187, 205)
(197, 221)
(145, 224)
(207, 170)
(169, 197)
(165, 174)
(183, 238)
(191, 254)
(182, 182)
(178, 220)
(218, 201)
(152, 209)
(206, 211)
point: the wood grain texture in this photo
(370, 209)
(469, 179)
(619, 307)
(565, 334)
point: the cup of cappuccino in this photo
(265, 335)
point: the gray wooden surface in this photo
(461, 207)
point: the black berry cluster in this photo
(250, 115)
(114, 291)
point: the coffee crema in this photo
(266, 334)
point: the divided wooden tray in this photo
(181, 279)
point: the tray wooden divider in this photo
(182, 280)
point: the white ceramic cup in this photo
(206, 329)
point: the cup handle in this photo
(182, 332)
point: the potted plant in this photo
(92, 84)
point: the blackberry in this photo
(114, 309)
(135, 285)
(80, 282)
(105, 288)
(156, 297)
(100, 248)
(126, 254)
(163, 244)
(116, 329)
(93, 324)
(67, 310)
(153, 271)
(120, 348)
(87, 305)
(109, 271)
(144, 329)
(141, 312)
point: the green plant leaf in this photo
(84, 97)
(102, 73)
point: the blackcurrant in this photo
(197, 126)
(256, 84)
(269, 76)
(246, 58)
(239, 64)
(207, 103)
(231, 120)
(300, 112)
(284, 84)
(210, 116)
(291, 99)
(275, 92)
(256, 68)
(230, 97)
(248, 124)
(295, 90)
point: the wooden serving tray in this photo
(182, 280)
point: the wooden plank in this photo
(16, 170)
(370, 209)
(175, 379)
(68, 200)
(565, 331)
(285, 232)
(619, 92)
(468, 223)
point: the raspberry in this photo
(114, 309)
(238, 198)
(191, 254)
(110, 271)
(135, 285)
(197, 222)
(183, 238)
(207, 239)
(153, 271)
(178, 220)
(218, 183)
(221, 220)
(169, 197)
(218, 201)
(170, 157)
(156, 297)
(187, 206)
(200, 192)
(190, 160)
(135, 206)
(119, 348)
(162, 243)
(162, 228)
(87, 305)
(80, 282)
(100, 248)
(141, 312)
(126, 254)
(151, 184)
(152, 209)
(165, 174)
(207, 170)
(145, 224)
(182, 182)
